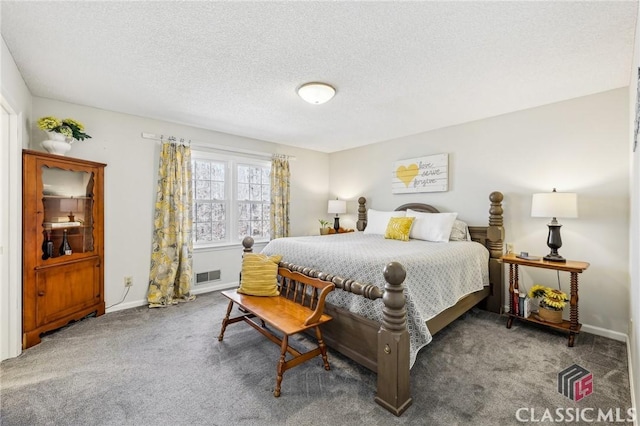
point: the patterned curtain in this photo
(279, 197)
(171, 258)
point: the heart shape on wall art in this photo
(407, 174)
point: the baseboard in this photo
(215, 287)
(615, 335)
(128, 305)
(631, 382)
(196, 291)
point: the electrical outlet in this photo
(128, 281)
(509, 248)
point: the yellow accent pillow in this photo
(398, 228)
(259, 275)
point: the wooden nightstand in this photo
(572, 266)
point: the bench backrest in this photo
(304, 290)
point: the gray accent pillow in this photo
(459, 231)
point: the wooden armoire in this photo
(62, 199)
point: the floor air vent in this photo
(203, 277)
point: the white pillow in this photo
(459, 231)
(377, 221)
(431, 226)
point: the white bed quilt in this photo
(438, 274)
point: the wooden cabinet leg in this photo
(509, 322)
(573, 313)
(513, 288)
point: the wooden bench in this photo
(299, 307)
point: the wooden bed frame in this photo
(384, 347)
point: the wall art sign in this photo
(423, 174)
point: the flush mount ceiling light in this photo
(316, 93)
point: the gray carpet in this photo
(165, 367)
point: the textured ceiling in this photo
(399, 68)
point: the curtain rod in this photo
(215, 147)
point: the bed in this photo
(391, 303)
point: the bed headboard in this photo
(419, 207)
(491, 236)
(361, 224)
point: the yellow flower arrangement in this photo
(68, 127)
(551, 298)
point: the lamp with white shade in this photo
(554, 205)
(336, 207)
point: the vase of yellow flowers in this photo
(552, 302)
(61, 134)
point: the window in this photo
(232, 198)
(253, 198)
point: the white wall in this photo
(579, 146)
(634, 229)
(130, 179)
(16, 102)
(15, 90)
